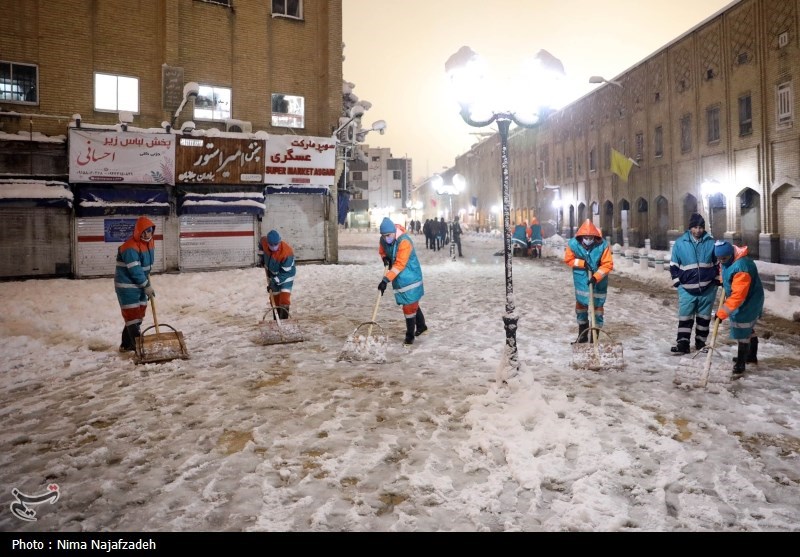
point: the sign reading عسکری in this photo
(219, 160)
(127, 157)
(300, 160)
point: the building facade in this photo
(711, 121)
(209, 68)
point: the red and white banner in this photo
(128, 157)
(300, 160)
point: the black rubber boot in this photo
(752, 353)
(283, 312)
(583, 333)
(741, 358)
(411, 324)
(681, 348)
(421, 327)
(129, 335)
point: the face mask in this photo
(587, 241)
(389, 240)
(273, 247)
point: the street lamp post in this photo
(466, 74)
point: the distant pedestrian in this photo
(135, 258)
(589, 256)
(744, 301)
(694, 271)
(536, 238)
(456, 232)
(277, 257)
(404, 272)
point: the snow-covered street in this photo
(243, 437)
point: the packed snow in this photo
(244, 437)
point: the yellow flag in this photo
(620, 164)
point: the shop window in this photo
(116, 92)
(19, 83)
(658, 142)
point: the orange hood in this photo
(589, 229)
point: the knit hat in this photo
(696, 220)
(273, 237)
(387, 226)
(723, 249)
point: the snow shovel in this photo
(277, 331)
(596, 355)
(159, 346)
(699, 372)
(366, 347)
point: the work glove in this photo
(722, 315)
(382, 285)
(676, 284)
(269, 288)
(387, 262)
(592, 280)
(149, 292)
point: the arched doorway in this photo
(717, 209)
(581, 213)
(624, 224)
(640, 228)
(749, 202)
(607, 223)
(658, 237)
(785, 208)
(689, 208)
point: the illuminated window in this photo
(288, 8)
(288, 111)
(19, 83)
(212, 103)
(116, 92)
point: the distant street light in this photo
(599, 79)
(458, 186)
(519, 104)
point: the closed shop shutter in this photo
(300, 220)
(217, 241)
(35, 241)
(97, 241)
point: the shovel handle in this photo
(153, 306)
(374, 313)
(593, 331)
(717, 321)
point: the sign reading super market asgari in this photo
(127, 157)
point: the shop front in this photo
(36, 218)
(220, 201)
(300, 175)
(118, 176)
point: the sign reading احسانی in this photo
(128, 157)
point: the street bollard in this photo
(644, 261)
(782, 287)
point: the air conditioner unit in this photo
(238, 126)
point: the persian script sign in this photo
(219, 160)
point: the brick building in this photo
(710, 121)
(272, 66)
